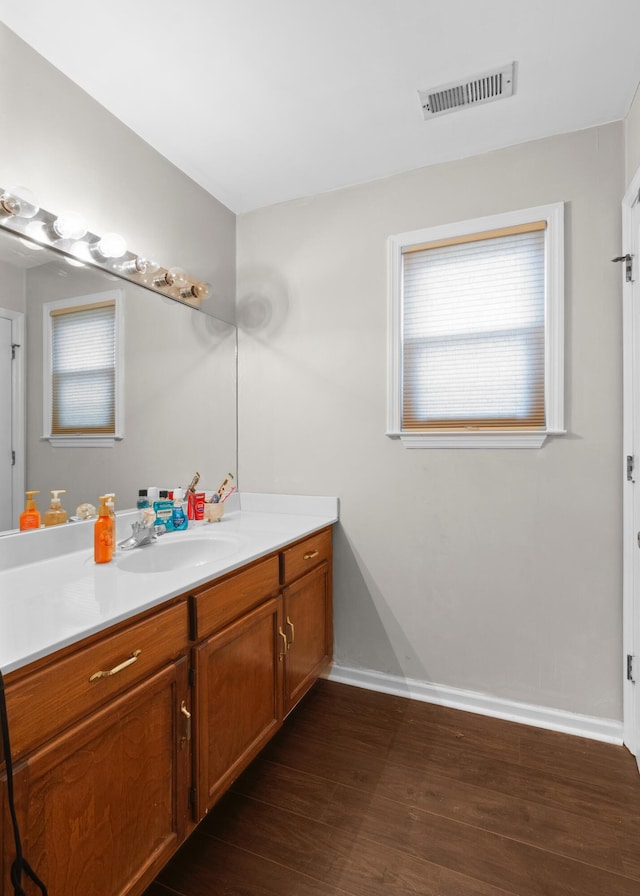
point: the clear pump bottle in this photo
(56, 513)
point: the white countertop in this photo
(52, 594)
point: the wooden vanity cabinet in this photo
(102, 802)
(237, 675)
(260, 646)
(112, 771)
(238, 704)
(308, 614)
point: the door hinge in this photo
(13, 458)
(192, 677)
(630, 667)
(192, 797)
(14, 346)
(628, 266)
(630, 466)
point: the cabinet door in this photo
(238, 698)
(103, 806)
(307, 622)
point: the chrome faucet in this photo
(141, 534)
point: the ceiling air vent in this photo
(474, 91)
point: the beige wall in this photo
(632, 138)
(12, 288)
(496, 571)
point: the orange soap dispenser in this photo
(103, 533)
(30, 516)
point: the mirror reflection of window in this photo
(83, 368)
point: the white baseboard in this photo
(593, 727)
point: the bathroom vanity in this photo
(128, 724)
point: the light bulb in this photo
(81, 250)
(140, 265)
(37, 230)
(70, 226)
(19, 201)
(196, 291)
(112, 245)
(176, 277)
(161, 282)
(173, 277)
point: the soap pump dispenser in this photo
(56, 514)
(30, 516)
(103, 533)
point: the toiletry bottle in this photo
(164, 511)
(195, 505)
(103, 533)
(30, 516)
(179, 518)
(56, 513)
(143, 502)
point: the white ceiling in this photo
(262, 101)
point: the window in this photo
(83, 370)
(476, 332)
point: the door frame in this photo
(631, 518)
(18, 417)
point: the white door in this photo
(11, 417)
(630, 274)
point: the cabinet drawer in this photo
(304, 556)
(220, 604)
(46, 702)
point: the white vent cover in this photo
(487, 87)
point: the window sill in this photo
(82, 441)
(475, 439)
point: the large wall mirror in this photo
(179, 369)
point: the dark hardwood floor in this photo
(365, 794)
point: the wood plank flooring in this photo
(366, 794)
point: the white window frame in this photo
(83, 440)
(553, 215)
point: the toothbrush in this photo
(228, 495)
(225, 482)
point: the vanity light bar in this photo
(66, 234)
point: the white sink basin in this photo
(171, 552)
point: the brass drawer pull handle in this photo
(293, 631)
(132, 659)
(185, 712)
(284, 640)
(310, 556)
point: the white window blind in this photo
(83, 369)
(473, 332)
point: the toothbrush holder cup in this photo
(213, 512)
